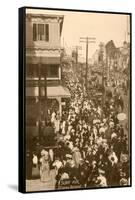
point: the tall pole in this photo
(45, 93)
(42, 86)
(87, 40)
(39, 98)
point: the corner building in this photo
(44, 89)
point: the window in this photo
(52, 71)
(41, 32)
(32, 71)
(47, 31)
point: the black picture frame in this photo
(22, 99)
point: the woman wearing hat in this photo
(76, 156)
(44, 168)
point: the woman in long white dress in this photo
(44, 168)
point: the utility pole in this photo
(45, 94)
(39, 97)
(87, 40)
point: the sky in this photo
(103, 26)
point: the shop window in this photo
(31, 111)
(30, 101)
(32, 71)
(31, 122)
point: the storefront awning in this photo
(52, 92)
(58, 91)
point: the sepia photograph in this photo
(77, 99)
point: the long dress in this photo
(45, 168)
(77, 157)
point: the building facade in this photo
(44, 90)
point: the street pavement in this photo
(37, 185)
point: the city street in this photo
(77, 106)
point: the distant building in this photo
(43, 68)
(125, 55)
(95, 57)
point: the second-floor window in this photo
(40, 32)
(52, 71)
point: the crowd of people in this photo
(91, 143)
